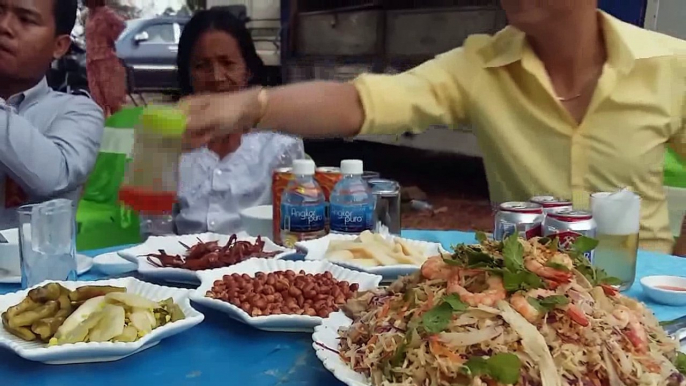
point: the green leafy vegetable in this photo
(596, 276)
(481, 237)
(436, 319)
(548, 303)
(554, 244)
(479, 259)
(680, 362)
(454, 301)
(399, 356)
(520, 281)
(584, 244)
(452, 262)
(544, 240)
(602, 277)
(558, 266)
(504, 368)
(513, 253)
(476, 366)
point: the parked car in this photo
(149, 47)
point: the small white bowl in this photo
(9, 253)
(654, 288)
(258, 221)
(112, 264)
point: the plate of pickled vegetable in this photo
(100, 321)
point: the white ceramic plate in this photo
(108, 351)
(325, 339)
(316, 250)
(113, 264)
(171, 245)
(83, 265)
(289, 323)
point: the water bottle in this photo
(352, 201)
(303, 206)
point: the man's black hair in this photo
(65, 16)
(219, 19)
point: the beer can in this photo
(280, 179)
(568, 225)
(327, 177)
(551, 203)
(523, 218)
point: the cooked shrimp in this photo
(435, 268)
(546, 272)
(520, 303)
(495, 292)
(632, 328)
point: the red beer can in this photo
(567, 225)
(327, 177)
(523, 218)
(551, 203)
(280, 179)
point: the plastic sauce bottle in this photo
(352, 201)
(303, 207)
(151, 179)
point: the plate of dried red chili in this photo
(178, 258)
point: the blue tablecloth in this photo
(223, 352)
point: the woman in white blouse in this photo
(217, 54)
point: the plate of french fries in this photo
(385, 255)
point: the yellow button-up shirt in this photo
(530, 143)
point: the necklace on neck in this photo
(584, 88)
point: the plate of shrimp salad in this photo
(517, 312)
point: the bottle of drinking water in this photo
(303, 206)
(352, 201)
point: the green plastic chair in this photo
(675, 170)
(101, 220)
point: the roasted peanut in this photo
(284, 292)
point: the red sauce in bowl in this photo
(671, 288)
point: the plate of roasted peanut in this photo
(280, 295)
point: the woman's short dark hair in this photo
(216, 19)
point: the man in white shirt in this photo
(48, 140)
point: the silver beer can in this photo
(568, 225)
(524, 218)
(551, 203)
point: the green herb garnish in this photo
(680, 362)
(584, 244)
(558, 266)
(596, 276)
(455, 303)
(399, 356)
(437, 319)
(504, 368)
(554, 244)
(513, 253)
(521, 281)
(548, 303)
(481, 237)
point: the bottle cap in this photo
(352, 166)
(164, 121)
(303, 167)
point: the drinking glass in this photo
(47, 242)
(618, 217)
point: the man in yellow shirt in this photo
(566, 101)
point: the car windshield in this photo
(130, 25)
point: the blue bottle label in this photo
(310, 218)
(351, 218)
